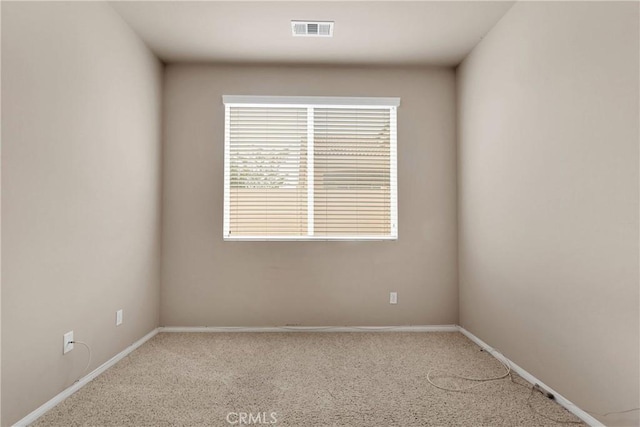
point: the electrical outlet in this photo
(393, 297)
(119, 317)
(67, 342)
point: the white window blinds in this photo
(310, 168)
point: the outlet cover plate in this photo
(67, 342)
(393, 297)
(119, 317)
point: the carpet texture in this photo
(305, 379)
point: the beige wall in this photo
(548, 197)
(80, 193)
(206, 281)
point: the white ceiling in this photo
(374, 32)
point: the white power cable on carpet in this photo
(88, 362)
(505, 363)
(480, 381)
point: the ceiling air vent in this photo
(312, 28)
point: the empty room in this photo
(320, 213)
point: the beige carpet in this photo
(306, 379)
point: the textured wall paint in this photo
(81, 98)
(548, 196)
(206, 281)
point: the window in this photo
(304, 168)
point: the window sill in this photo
(309, 238)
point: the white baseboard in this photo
(416, 328)
(570, 406)
(33, 416)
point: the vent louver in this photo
(311, 29)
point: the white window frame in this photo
(310, 102)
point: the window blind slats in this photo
(352, 171)
(310, 171)
(267, 171)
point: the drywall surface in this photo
(209, 282)
(548, 197)
(81, 98)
